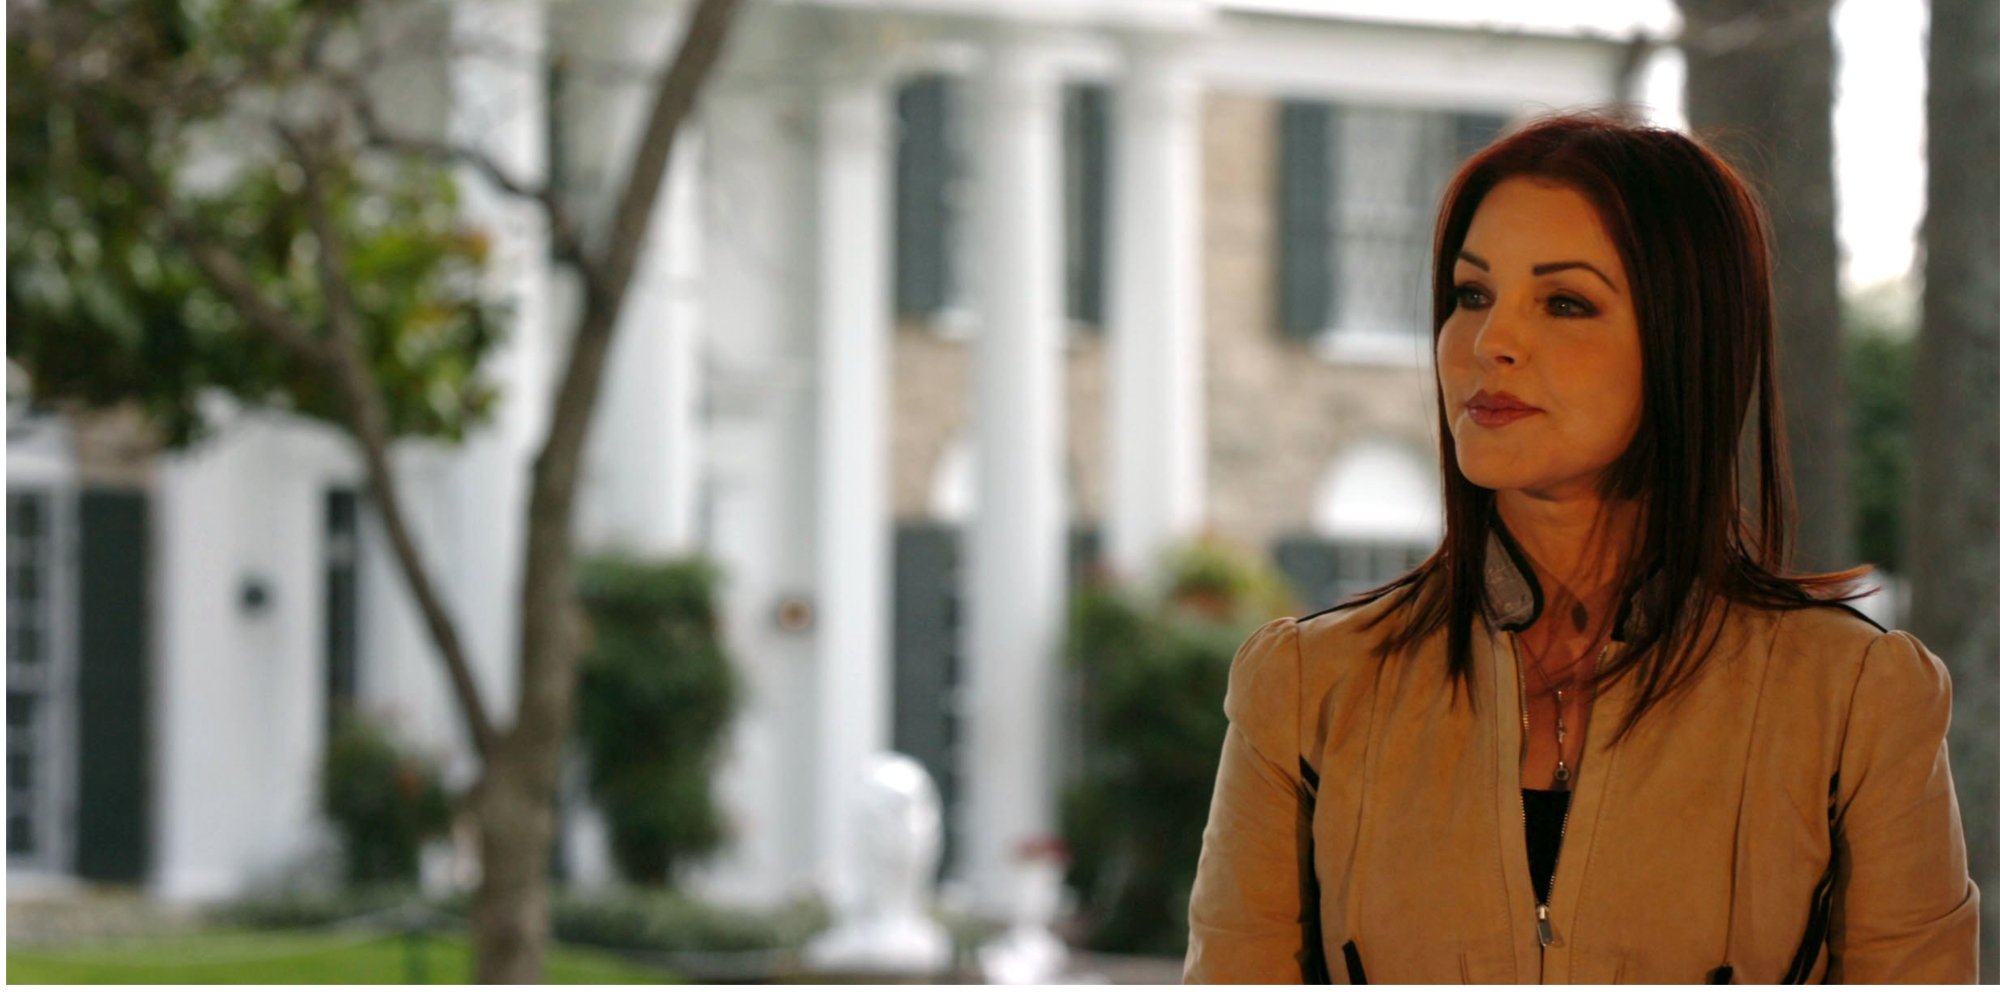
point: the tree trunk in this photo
(1760, 90)
(518, 798)
(1954, 503)
(517, 807)
(510, 910)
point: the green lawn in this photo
(295, 957)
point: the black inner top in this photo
(1545, 809)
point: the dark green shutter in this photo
(113, 802)
(1306, 186)
(1086, 160)
(342, 541)
(1326, 571)
(924, 171)
(1309, 564)
(926, 654)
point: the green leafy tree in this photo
(206, 195)
(104, 311)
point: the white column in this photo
(853, 539)
(1017, 541)
(498, 105)
(1155, 430)
(642, 468)
(759, 447)
(676, 479)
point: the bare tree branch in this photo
(350, 86)
(564, 235)
(369, 423)
(547, 633)
(1632, 61)
(1730, 25)
(701, 46)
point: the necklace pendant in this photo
(1562, 777)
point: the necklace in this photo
(1563, 774)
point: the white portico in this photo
(799, 168)
(800, 251)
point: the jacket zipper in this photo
(1544, 930)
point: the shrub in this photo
(1150, 676)
(631, 919)
(1879, 357)
(385, 803)
(299, 910)
(655, 920)
(655, 695)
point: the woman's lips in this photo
(1499, 417)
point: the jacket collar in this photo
(1514, 598)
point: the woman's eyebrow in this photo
(1567, 265)
(1541, 269)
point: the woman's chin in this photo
(1493, 472)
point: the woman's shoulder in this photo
(1293, 675)
(1824, 634)
(1354, 622)
(1844, 652)
(1298, 660)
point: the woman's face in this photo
(1539, 359)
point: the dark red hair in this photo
(1694, 241)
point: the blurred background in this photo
(455, 531)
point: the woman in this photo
(1600, 735)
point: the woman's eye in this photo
(1469, 297)
(1570, 305)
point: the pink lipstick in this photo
(1497, 409)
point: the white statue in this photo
(1030, 954)
(898, 833)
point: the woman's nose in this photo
(1498, 343)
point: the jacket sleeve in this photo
(1250, 916)
(1904, 910)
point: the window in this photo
(1358, 189)
(1379, 489)
(30, 669)
(935, 253)
(1376, 515)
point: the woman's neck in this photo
(1576, 547)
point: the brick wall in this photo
(1277, 413)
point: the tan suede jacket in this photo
(1790, 818)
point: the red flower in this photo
(1048, 846)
